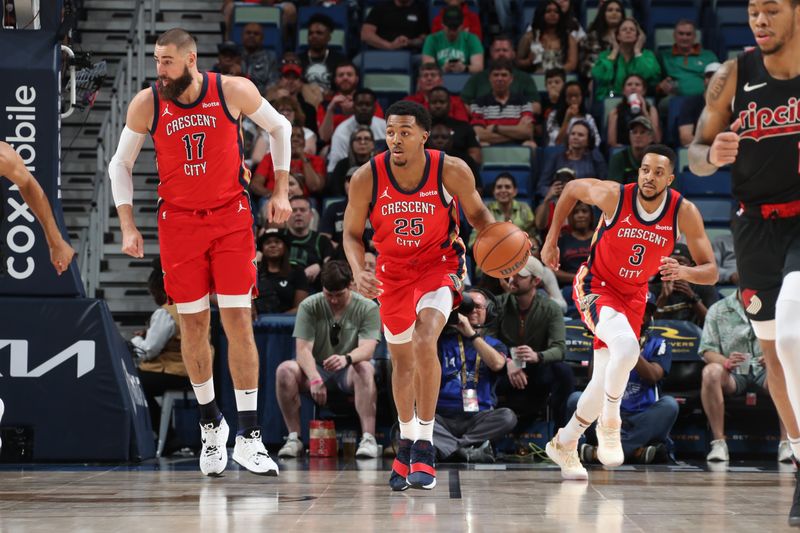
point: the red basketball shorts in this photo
(591, 295)
(207, 251)
(404, 285)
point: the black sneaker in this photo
(794, 513)
(397, 480)
(423, 465)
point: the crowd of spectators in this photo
(338, 125)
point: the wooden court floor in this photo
(344, 496)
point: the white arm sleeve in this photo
(280, 134)
(121, 166)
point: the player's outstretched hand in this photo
(61, 255)
(368, 285)
(132, 243)
(725, 147)
(670, 269)
(550, 256)
(279, 208)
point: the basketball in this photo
(501, 249)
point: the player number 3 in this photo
(638, 254)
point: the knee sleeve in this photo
(787, 322)
(613, 329)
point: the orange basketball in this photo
(501, 249)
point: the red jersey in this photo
(417, 226)
(199, 150)
(627, 252)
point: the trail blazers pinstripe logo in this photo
(458, 284)
(587, 301)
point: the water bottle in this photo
(635, 103)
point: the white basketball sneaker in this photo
(609, 445)
(214, 455)
(567, 459)
(249, 452)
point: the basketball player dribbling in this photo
(13, 168)
(411, 197)
(205, 225)
(752, 122)
(639, 226)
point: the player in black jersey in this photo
(752, 122)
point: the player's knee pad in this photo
(441, 299)
(624, 348)
(787, 321)
(613, 329)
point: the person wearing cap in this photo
(683, 65)
(532, 325)
(319, 60)
(681, 300)
(291, 84)
(734, 366)
(647, 415)
(692, 107)
(454, 49)
(472, 22)
(633, 104)
(396, 25)
(229, 59)
(624, 165)
(281, 286)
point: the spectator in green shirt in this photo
(627, 56)
(684, 64)
(335, 333)
(624, 165)
(454, 49)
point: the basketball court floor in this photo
(352, 496)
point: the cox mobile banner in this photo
(29, 122)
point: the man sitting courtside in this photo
(466, 418)
(336, 333)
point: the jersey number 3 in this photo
(638, 254)
(406, 227)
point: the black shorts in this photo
(766, 251)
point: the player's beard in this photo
(652, 196)
(176, 87)
(778, 46)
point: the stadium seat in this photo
(398, 61)
(664, 37)
(512, 159)
(337, 13)
(521, 175)
(338, 40)
(330, 200)
(716, 185)
(671, 136)
(268, 16)
(714, 233)
(455, 82)
(388, 73)
(734, 37)
(732, 14)
(715, 211)
(683, 160)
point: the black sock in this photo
(209, 413)
(248, 420)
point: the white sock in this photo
(293, 435)
(624, 351)
(795, 444)
(425, 430)
(408, 430)
(611, 411)
(246, 399)
(204, 391)
(572, 431)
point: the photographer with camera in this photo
(466, 418)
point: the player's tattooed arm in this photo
(459, 181)
(704, 157)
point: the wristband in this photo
(349, 360)
(473, 336)
(708, 157)
(315, 382)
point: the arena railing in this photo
(130, 78)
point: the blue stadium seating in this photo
(671, 136)
(521, 175)
(455, 82)
(270, 19)
(715, 211)
(715, 185)
(337, 13)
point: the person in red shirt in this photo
(472, 22)
(636, 235)
(311, 166)
(430, 77)
(205, 225)
(340, 106)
